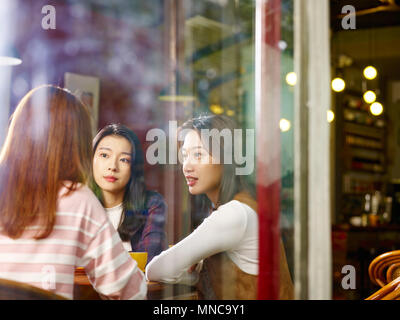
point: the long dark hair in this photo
(134, 202)
(48, 124)
(231, 183)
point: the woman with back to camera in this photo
(138, 214)
(49, 218)
(225, 245)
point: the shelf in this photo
(353, 92)
(363, 142)
(366, 148)
(364, 110)
(367, 155)
(362, 147)
(358, 174)
(356, 194)
(348, 227)
(364, 130)
(360, 118)
(369, 171)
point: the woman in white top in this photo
(231, 227)
(137, 214)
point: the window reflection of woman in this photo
(138, 214)
(50, 219)
(225, 245)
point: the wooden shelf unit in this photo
(361, 158)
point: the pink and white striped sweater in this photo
(82, 236)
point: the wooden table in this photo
(83, 290)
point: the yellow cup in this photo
(141, 259)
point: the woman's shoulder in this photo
(236, 205)
(234, 211)
(247, 199)
(74, 190)
(79, 197)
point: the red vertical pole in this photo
(268, 149)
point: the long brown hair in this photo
(48, 142)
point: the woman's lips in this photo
(191, 181)
(110, 178)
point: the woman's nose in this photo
(187, 166)
(113, 165)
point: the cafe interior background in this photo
(145, 63)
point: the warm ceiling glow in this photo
(370, 72)
(330, 116)
(284, 124)
(291, 78)
(217, 109)
(230, 113)
(369, 96)
(338, 84)
(376, 108)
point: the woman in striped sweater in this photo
(50, 221)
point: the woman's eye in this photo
(198, 155)
(103, 155)
(125, 160)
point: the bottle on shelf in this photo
(387, 214)
(366, 210)
(373, 217)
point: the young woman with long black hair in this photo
(138, 214)
(221, 254)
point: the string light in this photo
(284, 125)
(230, 113)
(369, 96)
(291, 79)
(217, 109)
(376, 108)
(338, 84)
(370, 72)
(330, 116)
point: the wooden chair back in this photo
(385, 268)
(391, 291)
(384, 271)
(14, 290)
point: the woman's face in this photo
(112, 164)
(202, 176)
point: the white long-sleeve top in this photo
(233, 229)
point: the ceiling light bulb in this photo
(376, 108)
(370, 72)
(217, 109)
(338, 84)
(284, 125)
(330, 116)
(369, 96)
(291, 79)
